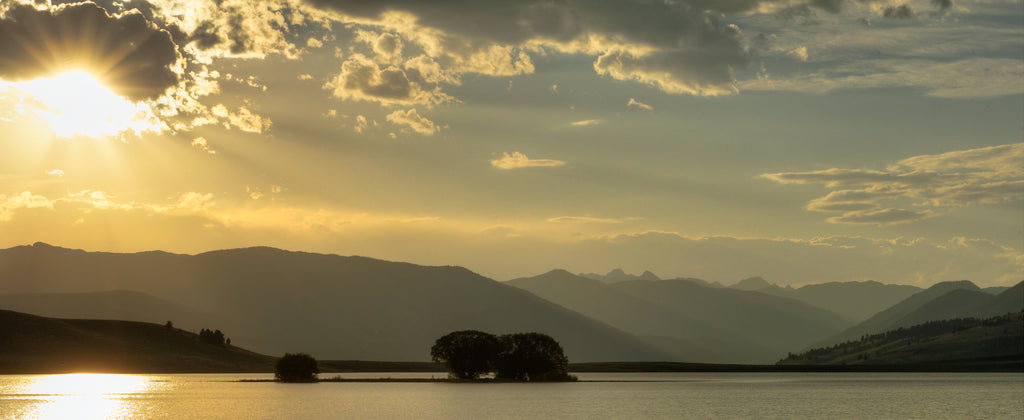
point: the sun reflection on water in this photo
(85, 396)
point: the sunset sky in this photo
(801, 141)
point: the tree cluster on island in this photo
(470, 354)
(296, 367)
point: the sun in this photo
(74, 103)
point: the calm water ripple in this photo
(648, 395)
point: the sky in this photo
(800, 141)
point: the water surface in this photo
(598, 395)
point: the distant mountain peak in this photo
(616, 273)
(956, 284)
(647, 275)
(752, 283)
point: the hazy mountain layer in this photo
(116, 304)
(855, 300)
(333, 307)
(698, 323)
(946, 300)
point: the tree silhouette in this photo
(296, 367)
(468, 354)
(212, 337)
(531, 357)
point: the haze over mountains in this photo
(690, 320)
(945, 300)
(274, 301)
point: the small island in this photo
(469, 355)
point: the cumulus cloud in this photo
(243, 119)
(24, 200)
(987, 175)
(640, 105)
(85, 200)
(235, 28)
(200, 143)
(518, 160)
(360, 124)
(386, 46)
(129, 53)
(678, 48)
(363, 80)
(413, 121)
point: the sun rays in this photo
(76, 104)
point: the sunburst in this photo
(76, 104)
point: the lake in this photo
(598, 395)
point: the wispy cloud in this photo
(588, 219)
(635, 103)
(518, 160)
(968, 78)
(586, 123)
(986, 175)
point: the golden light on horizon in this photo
(76, 104)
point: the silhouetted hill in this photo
(966, 340)
(333, 307)
(855, 300)
(942, 301)
(34, 344)
(696, 322)
(115, 304)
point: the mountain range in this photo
(689, 320)
(356, 308)
(275, 301)
(945, 300)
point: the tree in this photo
(531, 357)
(212, 337)
(296, 367)
(468, 353)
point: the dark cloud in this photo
(128, 52)
(800, 13)
(831, 6)
(942, 5)
(898, 12)
(362, 80)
